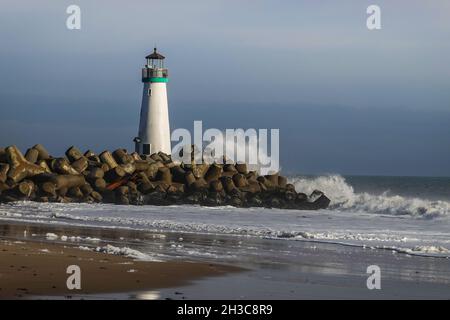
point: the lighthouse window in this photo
(149, 92)
(146, 149)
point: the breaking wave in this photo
(343, 197)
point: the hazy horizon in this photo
(346, 100)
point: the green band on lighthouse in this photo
(156, 79)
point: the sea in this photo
(405, 215)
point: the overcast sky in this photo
(346, 100)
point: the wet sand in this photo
(32, 269)
(198, 267)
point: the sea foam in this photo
(344, 198)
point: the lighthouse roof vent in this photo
(155, 55)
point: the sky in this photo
(346, 99)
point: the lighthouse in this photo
(154, 129)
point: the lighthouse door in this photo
(146, 148)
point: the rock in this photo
(290, 187)
(236, 201)
(3, 187)
(200, 170)
(122, 200)
(146, 187)
(143, 183)
(115, 174)
(19, 167)
(6, 197)
(95, 158)
(32, 155)
(228, 184)
(95, 173)
(176, 188)
(136, 199)
(3, 158)
(195, 198)
(251, 176)
(132, 186)
(290, 195)
(301, 197)
(80, 165)
(199, 185)
(164, 175)
(87, 199)
(229, 168)
(124, 178)
(189, 178)
(216, 186)
(316, 194)
(89, 154)
(255, 201)
(62, 166)
(86, 189)
(4, 168)
(43, 153)
(274, 203)
(213, 199)
(273, 179)
(106, 157)
(96, 196)
(99, 184)
(136, 156)
(252, 187)
(73, 154)
(152, 170)
(228, 174)
(241, 168)
(282, 182)
(122, 190)
(214, 173)
(43, 164)
(75, 192)
(62, 192)
(239, 180)
(178, 174)
(61, 181)
(48, 188)
(263, 187)
(141, 165)
(129, 167)
(122, 157)
(158, 197)
(164, 157)
(156, 157)
(25, 189)
(108, 196)
(266, 183)
(43, 199)
(161, 186)
(321, 201)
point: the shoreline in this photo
(40, 225)
(427, 251)
(273, 269)
(32, 269)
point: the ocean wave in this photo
(127, 252)
(343, 197)
(400, 234)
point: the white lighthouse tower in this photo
(154, 129)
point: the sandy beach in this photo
(38, 270)
(34, 258)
